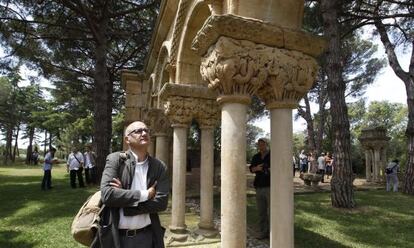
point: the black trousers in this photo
(73, 175)
(140, 240)
(47, 179)
(90, 175)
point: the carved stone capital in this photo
(179, 110)
(207, 113)
(239, 69)
(232, 67)
(290, 74)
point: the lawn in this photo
(30, 217)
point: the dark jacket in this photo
(124, 168)
(262, 178)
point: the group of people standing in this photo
(323, 165)
(75, 165)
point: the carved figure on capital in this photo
(179, 110)
(242, 67)
(208, 113)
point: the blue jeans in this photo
(392, 179)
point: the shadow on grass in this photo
(7, 239)
(377, 215)
(308, 239)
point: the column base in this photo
(207, 231)
(178, 229)
(177, 234)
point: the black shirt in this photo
(262, 178)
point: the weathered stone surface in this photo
(240, 67)
(257, 31)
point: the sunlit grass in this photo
(30, 217)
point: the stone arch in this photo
(188, 61)
(159, 70)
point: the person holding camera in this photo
(260, 165)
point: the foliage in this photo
(252, 135)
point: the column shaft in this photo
(233, 175)
(162, 148)
(206, 178)
(179, 179)
(151, 149)
(281, 197)
(376, 164)
(367, 166)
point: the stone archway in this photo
(239, 49)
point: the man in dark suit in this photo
(135, 187)
(260, 165)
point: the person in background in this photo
(303, 160)
(260, 165)
(321, 166)
(391, 172)
(75, 167)
(47, 169)
(90, 169)
(328, 163)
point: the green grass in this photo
(30, 217)
(381, 219)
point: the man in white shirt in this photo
(75, 167)
(135, 187)
(321, 165)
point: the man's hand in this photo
(257, 168)
(116, 183)
(152, 191)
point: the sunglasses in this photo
(139, 131)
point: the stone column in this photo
(179, 178)
(367, 166)
(376, 164)
(206, 181)
(178, 113)
(281, 197)
(233, 175)
(207, 115)
(279, 66)
(151, 149)
(162, 148)
(131, 82)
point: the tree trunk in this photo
(16, 147)
(103, 93)
(9, 141)
(50, 141)
(29, 151)
(408, 79)
(342, 193)
(45, 144)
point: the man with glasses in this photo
(135, 186)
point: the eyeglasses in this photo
(139, 131)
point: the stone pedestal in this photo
(179, 179)
(206, 180)
(281, 186)
(233, 175)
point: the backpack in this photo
(86, 222)
(389, 170)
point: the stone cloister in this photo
(206, 60)
(374, 141)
